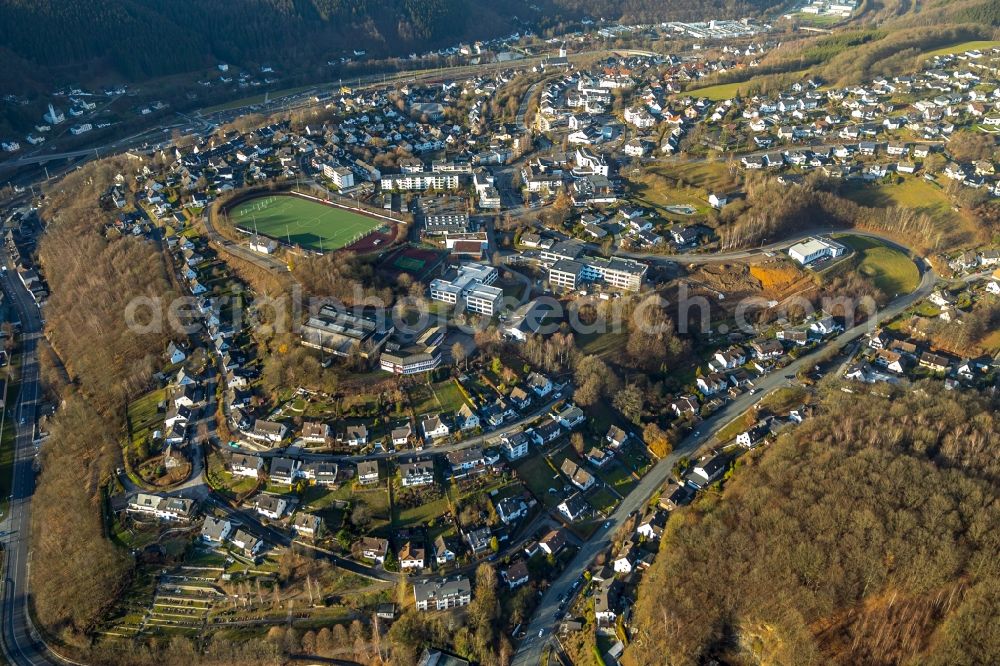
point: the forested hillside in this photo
(138, 39)
(93, 281)
(867, 535)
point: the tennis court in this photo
(409, 264)
(308, 224)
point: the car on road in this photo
(541, 632)
(607, 524)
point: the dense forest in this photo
(139, 39)
(866, 535)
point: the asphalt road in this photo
(20, 646)
(476, 440)
(522, 109)
(530, 651)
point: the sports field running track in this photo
(309, 224)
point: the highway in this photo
(530, 651)
(19, 644)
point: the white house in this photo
(400, 436)
(314, 432)
(515, 445)
(368, 472)
(824, 326)
(539, 383)
(307, 525)
(444, 551)
(813, 249)
(215, 530)
(411, 557)
(175, 354)
(268, 431)
(577, 475)
(271, 506)
(467, 418)
(248, 543)
(162, 508)
(242, 464)
(284, 471)
(625, 561)
(570, 417)
(652, 527)
(443, 594)
(434, 428)
(573, 507)
(417, 473)
(354, 435)
(517, 575)
(373, 549)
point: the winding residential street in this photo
(530, 651)
(22, 646)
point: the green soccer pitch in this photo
(309, 224)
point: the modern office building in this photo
(815, 248)
(470, 289)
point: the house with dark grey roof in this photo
(215, 530)
(442, 594)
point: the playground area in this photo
(311, 225)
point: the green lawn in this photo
(599, 344)
(324, 503)
(143, 415)
(448, 395)
(912, 192)
(222, 481)
(785, 399)
(535, 472)
(815, 19)
(724, 91)
(376, 499)
(719, 92)
(963, 47)
(422, 399)
(419, 515)
(309, 224)
(956, 227)
(892, 271)
(602, 500)
(636, 458)
(731, 429)
(667, 185)
(433, 398)
(618, 477)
